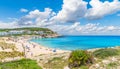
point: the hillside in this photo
(26, 31)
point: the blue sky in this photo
(10, 9)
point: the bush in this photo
(79, 58)
(20, 64)
(104, 53)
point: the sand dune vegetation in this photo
(104, 53)
(80, 58)
(12, 49)
(13, 54)
(20, 64)
(9, 50)
(5, 45)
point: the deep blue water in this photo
(79, 42)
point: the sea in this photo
(79, 42)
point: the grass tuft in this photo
(20, 64)
(104, 53)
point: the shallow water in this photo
(79, 42)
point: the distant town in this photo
(26, 31)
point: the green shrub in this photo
(80, 57)
(20, 64)
(104, 53)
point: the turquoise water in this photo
(79, 42)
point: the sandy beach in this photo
(43, 54)
(30, 49)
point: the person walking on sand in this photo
(27, 47)
(31, 54)
(34, 46)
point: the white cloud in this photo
(90, 28)
(72, 11)
(100, 9)
(37, 17)
(23, 10)
(8, 24)
(13, 19)
(118, 14)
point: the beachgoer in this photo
(54, 50)
(31, 54)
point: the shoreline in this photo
(90, 49)
(32, 49)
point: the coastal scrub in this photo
(20, 64)
(79, 58)
(104, 53)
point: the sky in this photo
(68, 17)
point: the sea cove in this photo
(60, 34)
(79, 42)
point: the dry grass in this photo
(5, 45)
(4, 55)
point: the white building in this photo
(12, 32)
(16, 32)
(3, 33)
